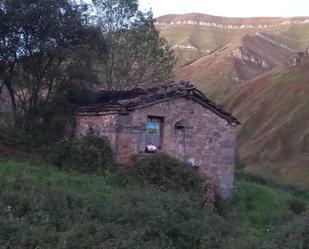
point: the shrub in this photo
(61, 153)
(167, 173)
(294, 235)
(20, 140)
(297, 206)
(86, 154)
(39, 215)
(222, 233)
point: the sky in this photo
(230, 8)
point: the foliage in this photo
(262, 207)
(167, 173)
(135, 53)
(70, 210)
(44, 56)
(294, 235)
(86, 154)
(53, 51)
(129, 218)
(37, 217)
(58, 124)
(225, 235)
(297, 206)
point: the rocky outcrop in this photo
(300, 58)
(185, 47)
(229, 26)
(190, 48)
(246, 56)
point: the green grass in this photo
(131, 212)
(82, 184)
(261, 208)
(52, 208)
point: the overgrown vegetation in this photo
(47, 208)
(88, 153)
(54, 51)
(51, 53)
(294, 234)
(135, 53)
(166, 173)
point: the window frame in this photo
(155, 136)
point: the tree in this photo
(50, 50)
(135, 53)
(44, 55)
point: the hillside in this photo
(43, 207)
(214, 49)
(234, 64)
(274, 137)
(206, 33)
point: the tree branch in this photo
(1, 88)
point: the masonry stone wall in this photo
(206, 140)
(103, 123)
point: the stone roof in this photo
(123, 101)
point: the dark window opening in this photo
(153, 134)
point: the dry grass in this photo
(274, 110)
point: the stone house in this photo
(178, 119)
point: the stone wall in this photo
(206, 140)
(104, 123)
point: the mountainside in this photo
(234, 64)
(246, 64)
(214, 49)
(274, 137)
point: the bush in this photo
(297, 206)
(86, 154)
(294, 235)
(224, 234)
(167, 173)
(37, 215)
(20, 141)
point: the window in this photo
(153, 131)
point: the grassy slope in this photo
(218, 71)
(295, 36)
(88, 211)
(274, 137)
(256, 210)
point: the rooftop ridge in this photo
(129, 100)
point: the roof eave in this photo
(203, 100)
(194, 94)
